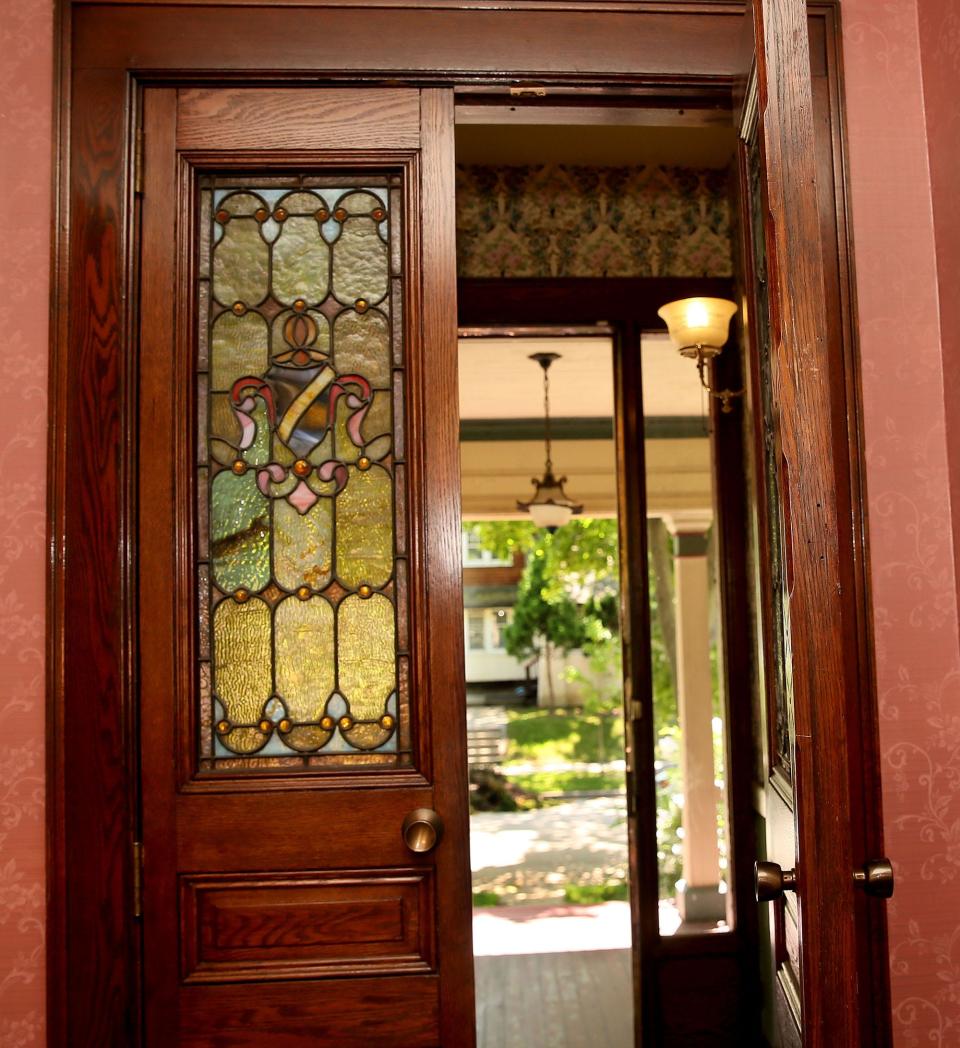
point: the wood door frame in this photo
(680, 56)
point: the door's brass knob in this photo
(876, 878)
(771, 881)
(422, 829)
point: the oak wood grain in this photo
(458, 45)
(262, 118)
(438, 419)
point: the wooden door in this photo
(813, 760)
(300, 621)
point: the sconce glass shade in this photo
(698, 324)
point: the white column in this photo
(700, 898)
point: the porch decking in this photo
(555, 1000)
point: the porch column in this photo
(699, 898)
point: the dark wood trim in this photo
(505, 302)
(637, 682)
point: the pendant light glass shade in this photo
(698, 325)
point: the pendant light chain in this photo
(546, 413)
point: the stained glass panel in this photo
(300, 474)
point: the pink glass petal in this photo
(301, 498)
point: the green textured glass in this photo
(300, 472)
(239, 533)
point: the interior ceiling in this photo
(606, 146)
(499, 381)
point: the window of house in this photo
(499, 619)
(475, 556)
(485, 626)
(476, 622)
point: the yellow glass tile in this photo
(241, 204)
(302, 545)
(301, 203)
(240, 264)
(359, 262)
(303, 632)
(301, 260)
(241, 658)
(365, 528)
(239, 348)
(223, 421)
(360, 203)
(379, 418)
(361, 344)
(366, 659)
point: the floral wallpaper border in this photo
(567, 221)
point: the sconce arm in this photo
(725, 396)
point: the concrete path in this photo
(529, 856)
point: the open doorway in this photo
(569, 238)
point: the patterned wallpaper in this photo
(25, 87)
(564, 221)
(911, 539)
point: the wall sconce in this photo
(550, 507)
(699, 328)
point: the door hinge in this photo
(138, 162)
(137, 879)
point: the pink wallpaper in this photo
(902, 236)
(939, 22)
(25, 151)
(912, 541)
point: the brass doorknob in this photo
(876, 878)
(771, 881)
(422, 829)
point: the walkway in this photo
(529, 856)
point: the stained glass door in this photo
(305, 872)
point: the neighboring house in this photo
(489, 592)
(493, 676)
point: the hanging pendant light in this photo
(549, 508)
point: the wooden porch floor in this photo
(555, 1000)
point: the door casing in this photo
(681, 59)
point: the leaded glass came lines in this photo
(299, 303)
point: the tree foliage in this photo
(568, 598)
